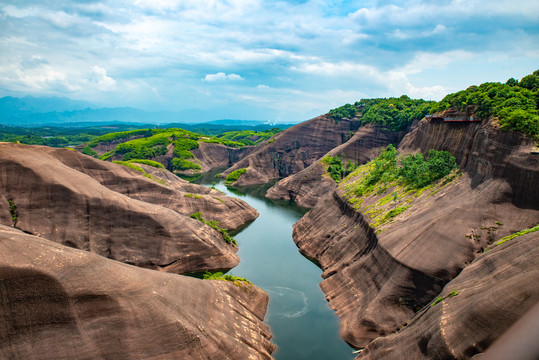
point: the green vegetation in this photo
(196, 196)
(13, 211)
(393, 113)
(238, 281)
(139, 169)
(215, 225)
(119, 136)
(515, 103)
(155, 164)
(336, 169)
(439, 299)
(181, 164)
(247, 137)
(517, 234)
(415, 171)
(89, 151)
(234, 176)
(389, 185)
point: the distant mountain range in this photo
(58, 111)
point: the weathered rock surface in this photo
(293, 149)
(115, 211)
(492, 293)
(63, 303)
(375, 282)
(308, 185)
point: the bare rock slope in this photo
(382, 265)
(63, 303)
(478, 306)
(307, 186)
(293, 149)
(115, 211)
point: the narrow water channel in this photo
(302, 323)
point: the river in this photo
(302, 323)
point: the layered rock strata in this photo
(310, 184)
(63, 303)
(115, 211)
(294, 149)
(377, 276)
(473, 310)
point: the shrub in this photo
(215, 225)
(89, 151)
(147, 162)
(234, 176)
(182, 164)
(225, 277)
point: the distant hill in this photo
(59, 111)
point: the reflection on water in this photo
(288, 303)
(302, 323)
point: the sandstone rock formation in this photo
(478, 306)
(307, 186)
(294, 149)
(63, 303)
(115, 211)
(376, 280)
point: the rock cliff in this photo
(307, 186)
(115, 211)
(377, 274)
(478, 306)
(63, 303)
(293, 149)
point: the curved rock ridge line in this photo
(293, 149)
(63, 303)
(376, 275)
(115, 211)
(307, 186)
(478, 306)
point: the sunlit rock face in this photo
(115, 211)
(64, 303)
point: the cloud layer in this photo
(278, 60)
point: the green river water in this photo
(302, 323)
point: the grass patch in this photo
(517, 234)
(215, 225)
(196, 196)
(234, 176)
(152, 163)
(236, 280)
(139, 169)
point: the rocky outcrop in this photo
(294, 149)
(308, 185)
(376, 280)
(212, 155)
(63, 303)
(478, 306)
(115, 211)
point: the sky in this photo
(284, 61)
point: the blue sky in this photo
(251, 59)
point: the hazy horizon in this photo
(283, 61)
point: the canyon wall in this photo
(378, 275)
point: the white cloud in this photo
(220, 76)
(103, 81)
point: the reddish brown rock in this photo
(293, 149)
(488, 297)
(376, 281)
(308, 185)
(63, 303)
(115, 211)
